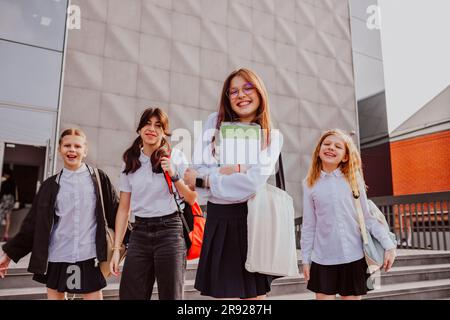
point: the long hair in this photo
(352, 169)
(227, 114)
(72, 132)
(132, 154)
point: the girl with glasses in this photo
(221, 271)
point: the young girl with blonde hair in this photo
(332, 248)
(65, 227)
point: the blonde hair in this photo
(352, 168)
(72, 132)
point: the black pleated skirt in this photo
(79, 277)
(348, 279)
(221, 270)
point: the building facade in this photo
(129, 55)
(419, 149)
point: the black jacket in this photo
(34, 234)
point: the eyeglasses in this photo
(247, 89)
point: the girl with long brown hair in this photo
(221, 271)
(332, 248)
(156, 249)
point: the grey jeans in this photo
(156, 251)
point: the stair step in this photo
(417, 274)
(296, 284)
(436, 289)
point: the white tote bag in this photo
(271, 233)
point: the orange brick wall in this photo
(421, 164)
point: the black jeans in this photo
(156, 250)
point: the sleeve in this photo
(22, 243)
(179, 162)
(308, 225)
(202, 157)
(373, 226)
(124, 180)
(241, 186)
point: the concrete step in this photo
(411, 267)
(421, 290)
(21, 278)
(421, 257)
(281, 287)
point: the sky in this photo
(415, 41)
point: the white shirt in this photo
(330, 231)
(73, 237)
(150, 195)
(238, 187)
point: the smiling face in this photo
(244, 98)
(73, 150)
(333, 152)
(152, 132)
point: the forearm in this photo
(237, 186)
(122, 217)
(188, 195)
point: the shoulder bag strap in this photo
(361, 221)
(280, 182)
(100, 191)
(169, 184)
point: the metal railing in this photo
(419, 221)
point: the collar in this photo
(143, 158)
(80, 170)
(336, 173)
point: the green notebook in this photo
(239, 143)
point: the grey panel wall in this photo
(176, 53)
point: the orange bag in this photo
(193, 224)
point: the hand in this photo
(4, 264)
(114, 264)
(306, 268)
(167, 166)
(189, 177)
(389, 258)
(229, 170)
(244, 168)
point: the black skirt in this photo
(348, 279)
(79, 277)
(221, 269)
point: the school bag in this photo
(373, 250)
(271, 230)
(110, 236)
(193, 223)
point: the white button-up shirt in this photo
(150, 195)
(73, 236)
(238, 187)
(330, 230)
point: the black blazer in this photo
(34, 234)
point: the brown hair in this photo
(72, 132)
(352, 169)
(132, 154)
(227, 114)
